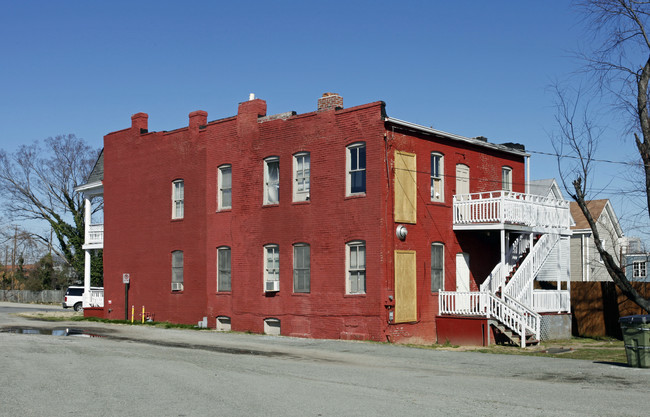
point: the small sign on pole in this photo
(126, 278)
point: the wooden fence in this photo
(597, 306)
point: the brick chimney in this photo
(140, 122)
(330, 101)
(254, 106)
(197, 119)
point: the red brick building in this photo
(339, 223)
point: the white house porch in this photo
(93, 233)
(534, 238)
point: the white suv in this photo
(74, 297)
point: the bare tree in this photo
(620, 66)
(37, 183)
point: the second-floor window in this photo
(301, 176)
(272, 180)
(506, 179)
(437, 177)
(178, 199)
(224, 183)
(356, 162)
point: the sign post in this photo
(126, 279)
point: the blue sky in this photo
(466, 67)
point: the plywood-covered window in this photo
(405, 187)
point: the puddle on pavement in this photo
(52, 332)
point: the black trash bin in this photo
(636, 336)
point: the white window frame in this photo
(639, 269)
(222, 285)
(353, 270)
(271, 186)
(301, 176)
(178, 199)
(352, 159)
(441, 268)
(437, 176)
(506, 178)
(301, 269)
(178, 265)
(271, 265)
(223, 188)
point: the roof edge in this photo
(452, 136)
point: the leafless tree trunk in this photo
(620, 64)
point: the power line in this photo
(608, 161)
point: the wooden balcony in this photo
(512, 211)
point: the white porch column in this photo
(87, 220)
(504, 245)
(86, 298)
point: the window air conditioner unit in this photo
(272, 286)
(177, 286)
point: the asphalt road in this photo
(144, 371)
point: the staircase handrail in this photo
(532, 319)
(522, 279)
(497, 277)
(497, 308)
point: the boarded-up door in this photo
(406, 307)
(405, 188)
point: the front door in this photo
(462, 281)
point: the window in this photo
(506, 179)
(224, 184)
(639, 269)
(271, 180)
(223, 269)
(177, 270)
(437, 175)
(437, 267)
(301, 177)
(301, 267)
(356, 266)
(271, 268)
(356, 162)
(178, 199)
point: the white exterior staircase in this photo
(506, 297)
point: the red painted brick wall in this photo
(140, 235)
(434, 220)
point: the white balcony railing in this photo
(507, 207)
(549, 301)
(513, 314)
(95, 234)
(97, 298)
